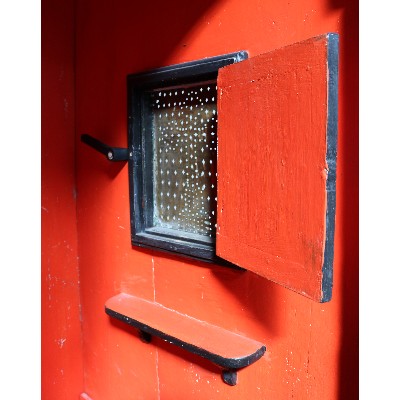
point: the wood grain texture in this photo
(273, 136)
(222, 347)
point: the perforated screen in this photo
(185, 158)
(172, 131)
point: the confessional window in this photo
(173, 131)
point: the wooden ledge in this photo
(227, 349)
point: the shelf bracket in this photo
(229, 376)
(111, 153)
(144, 336)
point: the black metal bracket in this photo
(111, 153)
(144, 336)
(230, 377)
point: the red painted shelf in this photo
(222, 347)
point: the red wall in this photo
(312, 348)
(62, 373)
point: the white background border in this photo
(20, 109)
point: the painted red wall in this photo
(62, 373)
(312, 348)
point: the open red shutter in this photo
(277, 130)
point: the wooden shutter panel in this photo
(277, 130)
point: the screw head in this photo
(110, 155)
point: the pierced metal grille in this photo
(185, 158)
(172, 127)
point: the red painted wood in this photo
(312, 350)
(204, 336)
(272, 169)
(61, 345)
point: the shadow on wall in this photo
(175, 350)
(166, 24)
(349, 234)
(101, 108)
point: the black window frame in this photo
(184, 74)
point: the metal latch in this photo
(112, 153)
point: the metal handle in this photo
(111, 153)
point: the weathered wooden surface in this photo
(222, 347)
(277, 146)
(312, 348)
